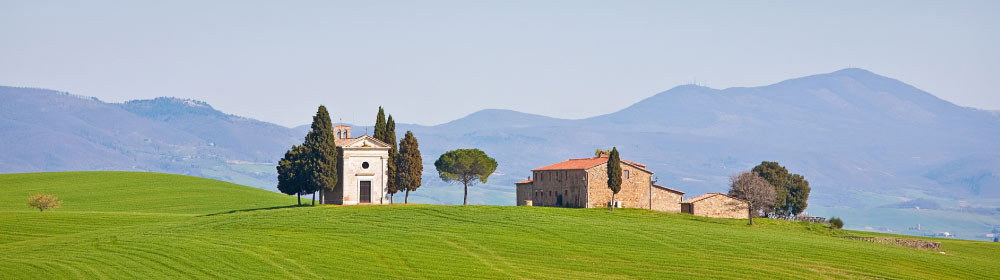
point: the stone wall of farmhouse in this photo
(559, 188)
(634, 192)
(666, 201)
(721, 206)
(912, 243)
(523, 193)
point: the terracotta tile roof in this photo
(574, 164)
(339, 142)
(584, 163)
(700, 197)
(668, 189)
(525, 181)
(636, 164)
(707, 195)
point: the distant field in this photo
(134, 192)
(145, 225)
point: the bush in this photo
(836, 223)
(43, 201)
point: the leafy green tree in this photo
(836, 223)
(792, 190)
(390, 138)
(601, 152)
(614, 175)
(379, 132)
(466, 166)
(321, 159)
(291, 171)
(409, 165)
(44, 202)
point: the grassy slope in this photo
(99, 237)
(135, 192)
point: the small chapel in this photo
(362, 167)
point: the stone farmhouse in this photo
(582, 183)
(716, 205)
(362, 168)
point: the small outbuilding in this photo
(716, 205)
(524, 192)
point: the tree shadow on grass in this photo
(255, 209)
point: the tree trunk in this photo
(750, 214)
(612, 201)
(314, 199)
(391, 196)
(406, 200)
(465, 201)
(299, 195)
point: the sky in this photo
(430, 62)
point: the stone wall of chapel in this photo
(352, 172)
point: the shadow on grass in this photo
(256, 209)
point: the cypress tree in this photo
(409, 165)
(379, 132)
(390, 138)
(614, 175)
(321, 167)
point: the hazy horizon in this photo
(367, 122)
(276, 62)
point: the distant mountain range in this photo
(44, 130)
(868, 144)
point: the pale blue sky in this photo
(429, 62)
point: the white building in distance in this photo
(363, 171)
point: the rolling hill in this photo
(44, 130)
(867, 143)
(149, 226)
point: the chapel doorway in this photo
(366, 191)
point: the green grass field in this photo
(145, 225)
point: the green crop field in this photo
(146, 225)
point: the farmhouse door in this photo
(366, 191)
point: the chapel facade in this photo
(362, 170)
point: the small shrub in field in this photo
(43, 201)
(836, 223)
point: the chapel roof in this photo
(349, 141)
(342, 141)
